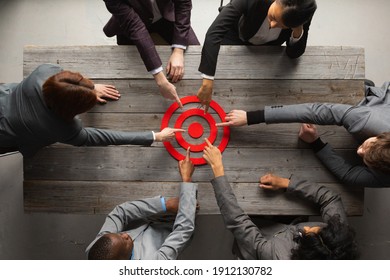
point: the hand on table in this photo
(175, 66)
(308, 133)
(273, 182)
(106, 91)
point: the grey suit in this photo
(152, 240)
(368, 118)
(28, 124)
(251, 242)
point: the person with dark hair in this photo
(255, 22)
(368, 122)
(332, 239)
(132, 230)
(42, 110)
(133, 22)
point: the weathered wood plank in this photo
(129, 163)
(96, 197)
(141, 96)
(234, 62)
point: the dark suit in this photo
(244, 17)
(131, 22)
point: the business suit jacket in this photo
(251, 242)
(154, 240)
(250, 15)
(369, 118)
(132, 18)
(27, 123)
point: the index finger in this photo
(208, 142)
(223, 124)
(178, 130)
(188, 154)
(206, 108)
(179, 102)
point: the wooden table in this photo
(93, 180)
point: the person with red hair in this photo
(42, 110)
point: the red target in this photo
(196, 129)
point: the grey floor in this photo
(79, 22)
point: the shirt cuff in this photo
(317, 145)
(294, 40)
(154, 136)
(179, 46)
(155, 71)
(255, 117)
(164, 207)
(204, 76)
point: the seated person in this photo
(133, 21)
(149, 240)
(255, 22)
(368, 122)
(375, 152)
(42, 110)
(331, 239)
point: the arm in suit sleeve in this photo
(123, 214)
(182, 22)
(227, 19)
(184, 224)
(354, 175)
(298, 48)
(102, 137)
(134, 28)
(315, 113)
(248, 236)
(329, 202)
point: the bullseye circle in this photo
(186, 115)
(195, 130)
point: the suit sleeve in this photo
(315, 113)
(103, 137)
(248, 236)
(227, 19)
(354, 175)
(329, 202)
(298, 48)
(123, 214)
(184, 224)
(134, 28)
(182, 22)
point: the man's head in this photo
(375, 152)
(112, 246)
(336, 241)
(290, 13)
(68, 94)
